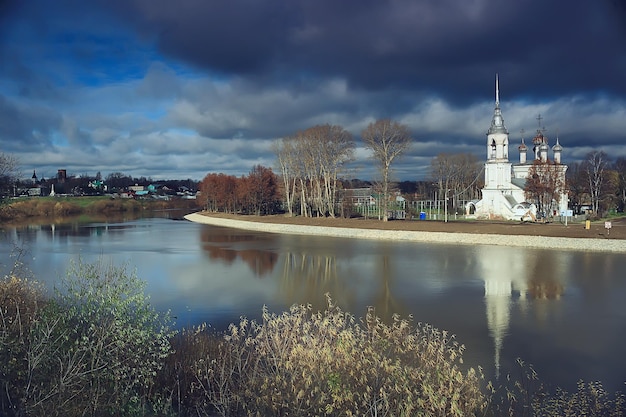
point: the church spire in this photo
(497, 91)
(557, 149)
(497, 122)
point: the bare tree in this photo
(335, 147)
(595, 164)
(285, 154)
(457, 173)
(310, 162)
(9, 172)
(387, 140)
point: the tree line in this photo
(311, 160)
(257, 193)
(311, 163)
(598, 181)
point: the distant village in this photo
(116, 186)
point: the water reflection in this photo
(221, 244)
(561, 311)
(306, 278)
(514, 277)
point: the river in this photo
(561, 311)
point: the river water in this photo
(561, 311)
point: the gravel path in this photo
(540, 242)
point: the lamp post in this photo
(445, 207)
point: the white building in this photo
(503, 195)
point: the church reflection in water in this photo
(513, 278)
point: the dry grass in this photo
(303, 363)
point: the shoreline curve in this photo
(450, 238)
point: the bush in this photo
(114, 206)
(590, 399)
(20, 303)
(175, 381)
(302, 363)
(38, 206)
(94, 349)
(527, 396)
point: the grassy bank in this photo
(30, 207)
(96, 347)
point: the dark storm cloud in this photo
(196, 86)
(25, 128)
(447, 47)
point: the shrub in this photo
(328, 363)
(176, 379)
(590, 399)
(527, 396)
(116, 342)
(20, 304)
(117, 206)
(94, 349)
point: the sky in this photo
(178, 89)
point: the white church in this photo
(503, 195)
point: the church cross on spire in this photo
(497, 91)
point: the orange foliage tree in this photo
(545, 184)
(256, 193)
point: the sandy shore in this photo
(540, 242)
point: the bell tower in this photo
(497, 167)
(497, 136)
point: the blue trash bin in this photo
(422, 215)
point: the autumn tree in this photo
(545, 184)
(256, 193)
(610, 196)
(387, 140)
(577, 185)
(227, 193)
(218, 192)
(207, 187)
(620, 169)
(262, 191)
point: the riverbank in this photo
(30, 209)
(540, 236)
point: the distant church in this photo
(503, 195)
